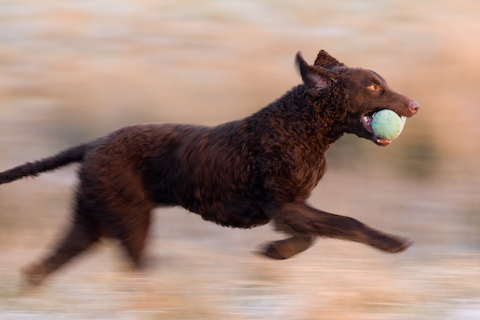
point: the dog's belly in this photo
(238, 214)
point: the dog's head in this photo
(366, 92)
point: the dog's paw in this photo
(392, 244)
(269, 250)
(33, 276)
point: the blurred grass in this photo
(70, 71)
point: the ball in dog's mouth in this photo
(386, 125)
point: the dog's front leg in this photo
(286, 248)
(300, 219)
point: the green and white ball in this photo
(387, 124)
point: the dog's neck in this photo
(312, 118)
(330, 106)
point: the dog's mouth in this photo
(367, 120)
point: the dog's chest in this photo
(307, 176)
(295, 179)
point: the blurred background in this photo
(73, 70)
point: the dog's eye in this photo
(373, 87)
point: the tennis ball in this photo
(387, 124)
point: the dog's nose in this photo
(413, 106)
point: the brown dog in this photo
(240, 174)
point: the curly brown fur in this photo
(242, 174)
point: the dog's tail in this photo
(74, 154)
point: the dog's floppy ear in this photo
(314, 76)
(326, 61)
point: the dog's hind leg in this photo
(82, 234)
(299, 218)
(129, 223)
(133, 234)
